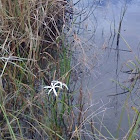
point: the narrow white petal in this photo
(58, 87)
(55, 92)
(48, 87)
(49, 91)
(57, 83)
(65, 86)
(54, 81)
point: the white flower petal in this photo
(55, 92)
(57, 83)
(48, 87)
(65, 86)
(49, 91)
(58, 87)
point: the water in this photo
(103, 55)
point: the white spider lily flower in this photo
(54, 85)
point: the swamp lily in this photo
(54, 85)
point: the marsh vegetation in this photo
(54, 55)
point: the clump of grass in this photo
(131, 89)
(33, 52)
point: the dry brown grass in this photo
(31, 46)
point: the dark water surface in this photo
(107, 38)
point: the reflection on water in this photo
(109, 36)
